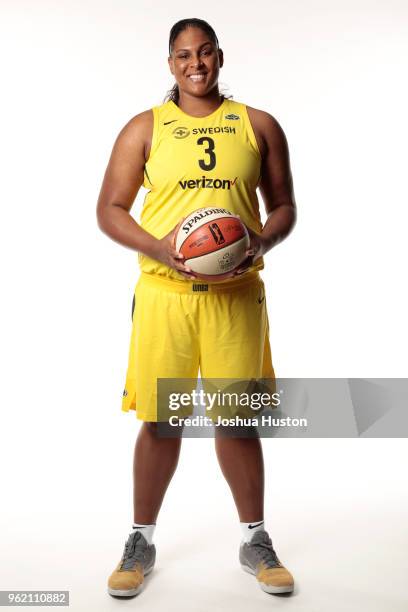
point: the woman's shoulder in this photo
(145, 118)
(266, 126)
(140, 125)
(268, 131)
(262, 119)
(141, 119)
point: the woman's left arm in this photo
(276, 187)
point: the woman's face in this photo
(195, 62)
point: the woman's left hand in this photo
(255, 250)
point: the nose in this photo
(196, 61)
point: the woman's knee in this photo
(151, 426)
(163, 429)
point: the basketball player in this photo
(177, 151)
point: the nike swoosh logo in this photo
(172, 121)
(260, 300)
(234, 181)
(253, 526)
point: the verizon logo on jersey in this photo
(208, 183)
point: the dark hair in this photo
(180, 26)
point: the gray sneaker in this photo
(137, 561)
(259, 558)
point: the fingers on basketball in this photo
(175, 254)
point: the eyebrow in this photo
(203, 45)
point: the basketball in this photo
(213, 242)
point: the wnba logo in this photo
(181, 132)
(216, 233)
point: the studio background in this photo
(73, 73)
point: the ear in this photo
(171, 64)
(221, 57)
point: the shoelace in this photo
(134, 551)
(262, 544)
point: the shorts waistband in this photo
(199, 287)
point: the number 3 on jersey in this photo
(210, 163)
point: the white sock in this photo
(248, 529)
(146, 530)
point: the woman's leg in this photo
(155, 461)
(235, 347)
(241, 462)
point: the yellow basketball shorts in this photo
(180, 327)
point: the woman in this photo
(175, 329)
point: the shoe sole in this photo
(128, 592)
(267, 587)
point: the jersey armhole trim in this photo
(251, 132)
(154, 133)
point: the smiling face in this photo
(195, 62)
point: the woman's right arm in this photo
(121, 183)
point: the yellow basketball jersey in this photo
(196, 162)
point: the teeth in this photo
(197, 77)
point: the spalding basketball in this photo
(213, 242)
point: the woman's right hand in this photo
(167, 254)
